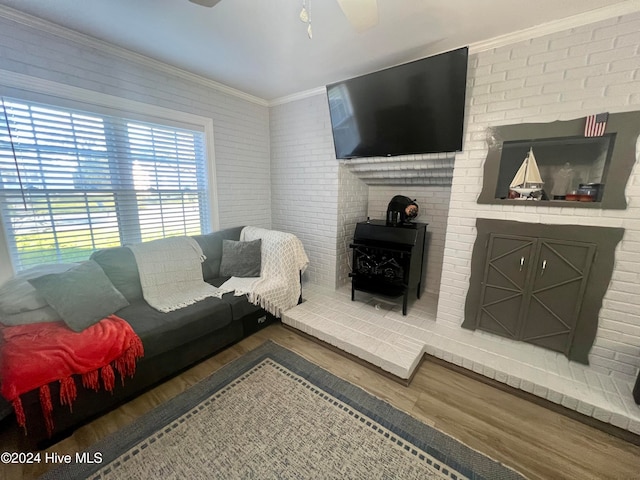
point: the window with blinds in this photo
(72, 182)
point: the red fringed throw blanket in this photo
(32, 356)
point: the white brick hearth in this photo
(374, 330)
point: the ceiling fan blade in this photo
(362, 14)
(206, 3)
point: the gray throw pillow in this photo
(82, 296)
(18, 296)
(120, 266)
(241, 259)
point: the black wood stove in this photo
(388, 260)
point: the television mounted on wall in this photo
(414, 108)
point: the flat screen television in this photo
(413, 108)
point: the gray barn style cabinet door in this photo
(533, 289)
(559, 279)
(502, 299)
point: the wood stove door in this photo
(506, 272)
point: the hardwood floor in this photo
(532, 439)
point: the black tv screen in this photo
(413, 108)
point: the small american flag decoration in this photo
(596, 125)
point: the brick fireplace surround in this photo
(564, 75)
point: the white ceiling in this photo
(261, 47)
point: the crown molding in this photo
(593, 16)
(554, 26)
(92, 42)
(297, 96)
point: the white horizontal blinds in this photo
(169, 180)
(81, 181)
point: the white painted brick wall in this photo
(561, 76)
(320, 199)
(352, 208)
(433, 203)
(304, 182)
(241, 128)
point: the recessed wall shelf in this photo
(566, 158)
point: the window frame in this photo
(45, 91)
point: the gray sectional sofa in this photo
(172, 341)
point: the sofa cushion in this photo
(161, 332)
(211, 245)
(241, 259)
(17, 295)
(44, 314)
(240, 306)
(82, 295)
(120, 266)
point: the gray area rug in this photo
(273, 414)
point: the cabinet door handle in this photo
(521, 263)
(544, 266)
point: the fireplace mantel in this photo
(623, 130)
(414, 170)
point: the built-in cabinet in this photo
(541, 284)
(532, 289)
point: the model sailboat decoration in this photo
(527, 180)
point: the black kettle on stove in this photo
(401, 210)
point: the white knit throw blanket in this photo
(171, 273)
(283, 258)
